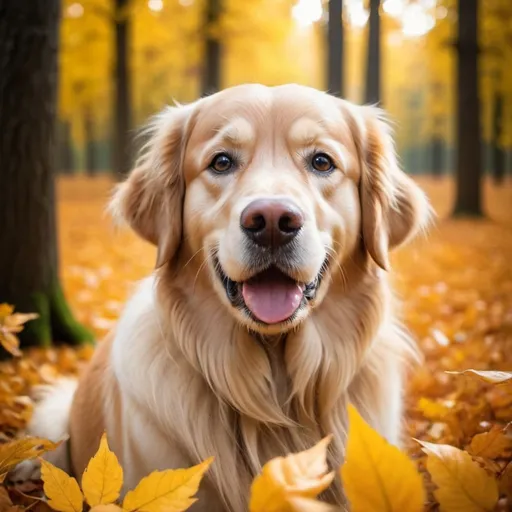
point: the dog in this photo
(274, 210)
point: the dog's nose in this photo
(271, 222)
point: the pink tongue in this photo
(271, 296)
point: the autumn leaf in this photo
(493, 444)
(11, 323)
(62, 491)
(170, 491)
(299, 504)
(490, 377)
(5, 500)
(103, 477)
(106, 508)
(14, 452)
(377, 476)
(463, 486)
(505, 481)
(300, 475)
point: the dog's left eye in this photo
(322, 163)
(222, 163)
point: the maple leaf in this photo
(170, 491)
(11, 324)
(377, 476)
(463, 486)
(299, 475)
(493, 444)
(62, 491)
(103, 478)
(14, 452)
(106, 508)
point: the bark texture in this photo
(469, 147)
(212, 50)
(121, 155)
(498, 151)
(373, 62)
(28, 255)
(335, 48)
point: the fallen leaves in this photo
(292, 481)
(11, 324)
(377, 476)
(463, 486)
(62, 491)
(14, 452)
(103, 477)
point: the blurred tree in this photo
(335, 48)
(373, 60)
(469, 153)
(28, 85)
(211, 76)
(121, 157)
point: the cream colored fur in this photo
(185, 376)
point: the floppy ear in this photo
(150, 200)
(393, 207)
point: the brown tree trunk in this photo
(90, 153)
(373, 62)
(65, 148)
(498, 152)
(28, 85)
(469, 149)
(335, 48)
(212, 50)
(121, 161)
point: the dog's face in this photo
(276, 188)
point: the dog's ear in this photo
(150, 200)
(393, 207)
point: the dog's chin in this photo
(270, 301)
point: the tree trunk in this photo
(122, 102)
(28, 84)
(65, 148)
(335, 48)
(212, 50)
(498, 152)
(90, 153)
(469, 149)
(373, 61)
(437, 157)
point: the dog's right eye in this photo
(221, 163)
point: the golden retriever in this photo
(274, 210)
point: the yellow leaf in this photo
(106, 508)
(298, 504)
(10, 342)
(492, 444)
(5, 310)
(432, 410)
(300, 475)
(376, 476)
(62, 491)
(14, 452)
(463, 486)
(103, 477)
(492, 377)
(169, 491)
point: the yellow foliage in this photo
(10, 324)
(378, 477)
(301, 475)
(463, 486)
(169, 491)
(103, 477)
(14, 452)
(62, 491)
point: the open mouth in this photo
(271, 296)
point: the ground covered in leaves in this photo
(456, 287)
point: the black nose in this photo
(271, 222)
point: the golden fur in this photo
(186, 375)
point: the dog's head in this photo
(274, 190)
